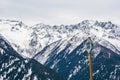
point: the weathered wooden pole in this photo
(89, 46)
(90, 65)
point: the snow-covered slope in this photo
(29, 40)
(61, 47)
(15, 67)
(68, 55)
(74, 64)
(16, 33)
(105, 33)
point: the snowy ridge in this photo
(75, 65)
(15, 67)
(28, 41)
(62, 47)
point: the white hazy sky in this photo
(60, 11)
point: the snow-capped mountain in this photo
(68, 55)
(74, 64)
(14, 67)
(29, 40)
(61, 47)
(105, 33)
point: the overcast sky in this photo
(60, 11)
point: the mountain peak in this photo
(41, 35)
(62, 46)
(13, 23)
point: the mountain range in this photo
(61, 48)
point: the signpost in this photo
(89, 45)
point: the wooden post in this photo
(90, 64)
